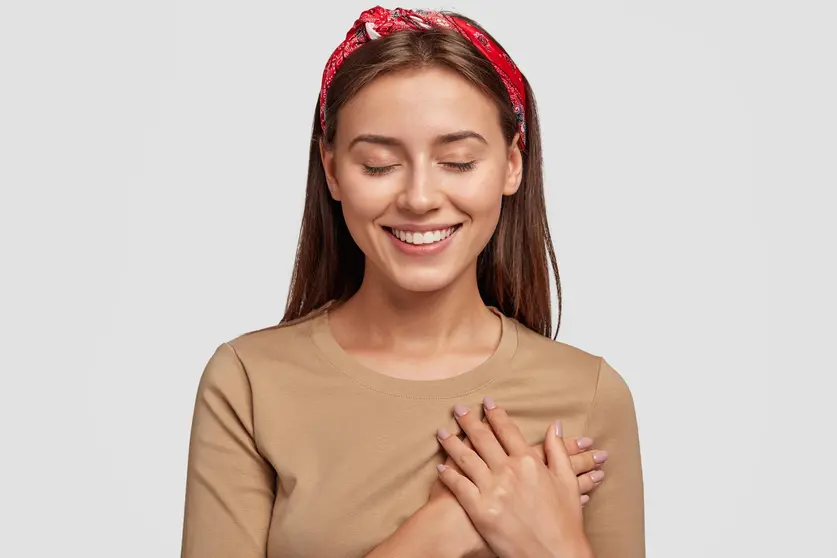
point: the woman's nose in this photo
(419, 194)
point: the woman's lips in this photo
(428, 246)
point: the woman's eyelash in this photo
(470, 165)
(377, 170)
(460, 167)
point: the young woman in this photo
(407, 403)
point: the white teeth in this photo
(418, 238)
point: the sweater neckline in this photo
(446, 388)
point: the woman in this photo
(419, 314)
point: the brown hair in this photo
(512, 270)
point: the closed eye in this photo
(375, 171)
(461, 167)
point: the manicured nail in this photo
(600, 457)
(585, 443)
(489, 404)
(442, 434)
(597, 476)
(559, 429)
(460, 410)
(440, 467)
(584, 499)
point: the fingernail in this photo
(584, 499)
(585, 443)
(460, 410)
(442, 434)
(597, 476)
(600, 457)
(488, 403)
(440, 467)
(559, 429)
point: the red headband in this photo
(379, 22)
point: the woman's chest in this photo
(348, 478)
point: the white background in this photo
(152, 163)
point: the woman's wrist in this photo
(428, 533)
(441, 522)
(558, 549)
(581, 549)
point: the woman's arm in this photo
(230, 487)
(614, 520)
(441, 529)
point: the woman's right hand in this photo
(519, 505)
(442, 527)
(586, 463)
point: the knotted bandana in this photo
(379, 22)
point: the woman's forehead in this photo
(428, 103)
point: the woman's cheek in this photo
(480, 199)
(367, 200)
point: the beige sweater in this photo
(297, 450)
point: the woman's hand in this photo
(521, 507)
(442, 527)
(586, 463)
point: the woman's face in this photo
(420, 166)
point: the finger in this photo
(577, 445)
(463, 489)
(505, 429)
(539, 451)
(585, 499)
(556, 452)
(468, 460)
(449, 462)
(481, 437)
(589, 481)
(587, 461)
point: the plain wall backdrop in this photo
(152, 163)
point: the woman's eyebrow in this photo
(376, 139)
(442, 139)
(459, 136)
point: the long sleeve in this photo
(230, 487)
(615, 518)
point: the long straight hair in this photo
(513, 268)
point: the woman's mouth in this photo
(422, 242)
(417, 238)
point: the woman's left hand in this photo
(521, 507)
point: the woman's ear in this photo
(327, 158)
(515, 174)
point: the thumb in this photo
(557, 458)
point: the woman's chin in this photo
(423, 281)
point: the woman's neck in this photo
(381, 316)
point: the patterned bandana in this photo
(379, 22)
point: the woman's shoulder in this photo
(533, 346)
(536, 351)
(276, 342)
